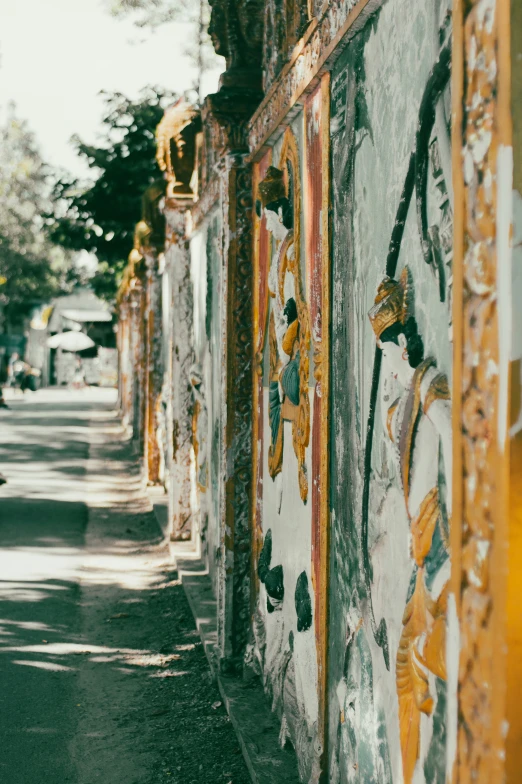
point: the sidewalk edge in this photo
(256, 726)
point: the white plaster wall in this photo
(198, 273)
(208, 356)
(291, 546)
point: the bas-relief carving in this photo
(236, 29)
(283, 625)
(289, 325)
(390, 696)
(176, 137)
(418, 422)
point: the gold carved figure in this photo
(418, 423)
(289, 328)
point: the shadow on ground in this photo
(103, 677)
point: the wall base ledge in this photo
(255, 725)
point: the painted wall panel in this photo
(383, 725)
(286, 627)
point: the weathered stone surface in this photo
(181, 351)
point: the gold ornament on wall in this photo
(292, 403)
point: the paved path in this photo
(102, 676)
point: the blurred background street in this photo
(107, 680)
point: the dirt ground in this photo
(103, 677)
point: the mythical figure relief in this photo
(418, 423)
(289, 329)
(288, 641)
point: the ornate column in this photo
(237, 29)
(136, 342)
(176, 155)
(150, 238)
(153, 369)
(234, 589)
(122, 342)
(483, 170)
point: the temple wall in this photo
(376, 97)
(288, 654)
(337, 373)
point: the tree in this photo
(100, 217)
(153, 13)
(32, 269)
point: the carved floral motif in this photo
(480, 382)
(238, 249)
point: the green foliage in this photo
(32, 269)
(101, 216)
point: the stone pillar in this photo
(122, 339)
(179, 423)
(138, 358)
(126, 366)
(231, 108)
(237, 538)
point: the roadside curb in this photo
(256, 726)
(160, 503)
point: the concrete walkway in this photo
(102, 675)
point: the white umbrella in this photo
(70, 341)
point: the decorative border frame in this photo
(482, 172)
(323, 42)
(262, 246)
(317, 243)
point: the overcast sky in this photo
(56, 56)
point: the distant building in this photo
(80, 311)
